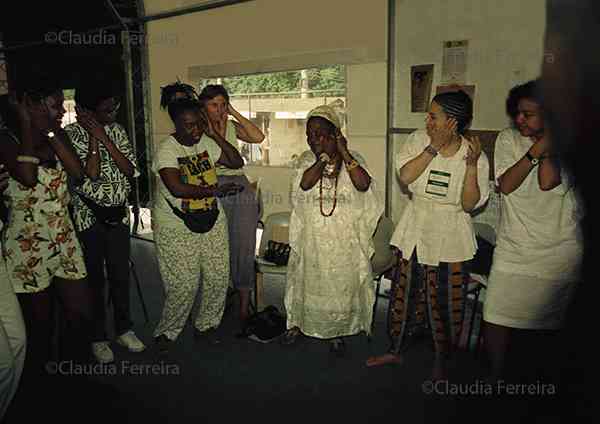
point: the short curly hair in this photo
(530, 90)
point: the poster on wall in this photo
(421, 77)
(454, 62)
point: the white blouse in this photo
(434, 223)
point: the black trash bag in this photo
(265, 326)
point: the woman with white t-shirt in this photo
(447, 175)
(186, 258)
(537, 252)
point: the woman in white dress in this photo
(330, 291)
(447, 175)
(538, 251)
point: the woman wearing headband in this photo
(330, 292)
(448, 177)
(191, 262)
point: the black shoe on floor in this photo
(209, 336)
(338, 347)
(163, 343)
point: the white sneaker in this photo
(131, 342)
(102, 352)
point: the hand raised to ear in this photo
(442, 136)
(209, 127)
(473, 151)
(89, 123)
(341, 142)
(21, 107)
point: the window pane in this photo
(278, 104)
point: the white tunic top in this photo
(538, 233)
(434, 223)
(330, 291)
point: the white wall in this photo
(505, 48)
(271, 35)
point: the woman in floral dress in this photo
(40, 246)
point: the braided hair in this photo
(168, 93)
(457, 105)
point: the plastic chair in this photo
(276, 228)
(383, 257)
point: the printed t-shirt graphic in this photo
(198, 170)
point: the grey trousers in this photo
(12, 341)
(242, 218)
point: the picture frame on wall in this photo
(421, 78)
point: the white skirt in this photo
(526, 302)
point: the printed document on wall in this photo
(454, 63)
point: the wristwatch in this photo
(534, 161)
(431, 150)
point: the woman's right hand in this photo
(21, 107)
(440, 137)
(228, 189)
(90, 124)
(209, 127)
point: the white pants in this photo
(12, 341)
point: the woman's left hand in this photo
(341, 142)
(473, 151)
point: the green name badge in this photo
(437, 183)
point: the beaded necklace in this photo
(334, 197)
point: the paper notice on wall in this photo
(454, 63)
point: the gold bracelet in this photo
(28, 159)
(353, 164)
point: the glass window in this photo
(278, 103)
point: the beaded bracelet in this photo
(28, 159)
(353, 164)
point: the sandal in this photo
(290, 336)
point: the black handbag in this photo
(200, 221)
(278, 253)
(108, 215)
